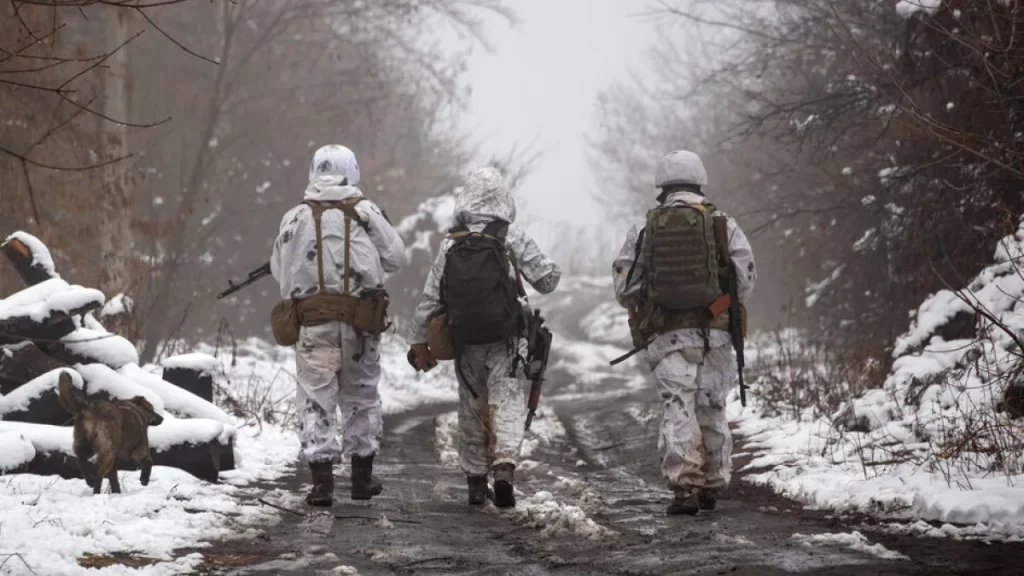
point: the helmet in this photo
(681, 167)
(335, 160)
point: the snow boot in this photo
(477, 490)
(684, 503)
(707, 499)
(322, 493)
(504, 493)
(364, 484)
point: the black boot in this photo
(477, 490)
(504, 493)
(322, 493)
(364, 484)
(685, 502)
(707, 499)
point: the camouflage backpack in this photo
(680, 256)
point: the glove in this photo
(420, 358)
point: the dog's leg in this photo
(108, 470)
(145, 464)
(82, 456)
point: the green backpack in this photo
(680, 256)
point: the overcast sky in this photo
(539, 86)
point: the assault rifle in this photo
(731, 298)
(537, 354)
(253, 276)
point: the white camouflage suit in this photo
(491, 426)
(333, 363)
(694, 442)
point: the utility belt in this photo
(650, 320)
(367, 314)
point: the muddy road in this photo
(591, 502)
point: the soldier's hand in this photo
(421, 358)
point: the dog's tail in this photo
(70, 398)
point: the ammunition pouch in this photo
(367, 314)
(284, 322)
(439, 337)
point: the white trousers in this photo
(336, 368)
(695, 443)
(491, 426)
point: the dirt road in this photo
(592, 503)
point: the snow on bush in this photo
(908, 8)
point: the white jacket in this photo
(742, 256)
(484, 199)
(375, 250)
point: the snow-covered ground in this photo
(930, 445)
(176, 510)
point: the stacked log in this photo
(48, 327)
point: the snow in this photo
(51, 296)
(102, 378)
(100, 345)
(554, 519)
(21, 397)
(854, 541)
(15, 451)
(816, 289)
(40, 253)
(44, 438)
(173, 432)
(195, 361)
(177, 400)
(908, 8)
(175, 511)
(119, 304)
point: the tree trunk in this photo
(115, 229)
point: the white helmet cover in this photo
(335, 160)
(681, 167)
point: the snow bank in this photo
(177, 400)
(40, 253)
(15, 451)
(21, 397)
(196, 361)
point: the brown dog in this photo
(109, 429)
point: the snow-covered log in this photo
(22, 362)
(192, 372)
(196, 446)
(30, 257)
(36, 401)
(43, 312)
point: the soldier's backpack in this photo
(680, 256)
(477, 290)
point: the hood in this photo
(330, 189)
(335, 160)
(484, 198)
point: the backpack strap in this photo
(636, 254)
(349, 208)
(497, 229)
